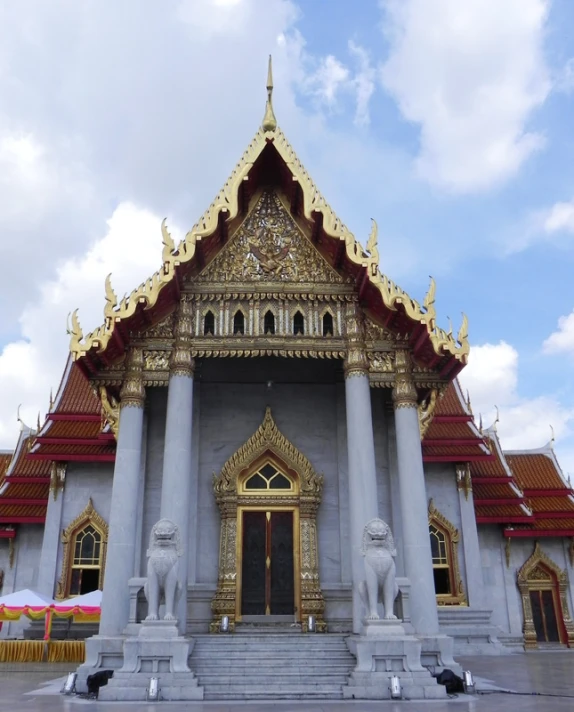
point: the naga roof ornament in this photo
(226, 207)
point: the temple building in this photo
(270, 391)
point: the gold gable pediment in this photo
(270, 247)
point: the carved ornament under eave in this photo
(269, 247)
(162, 330)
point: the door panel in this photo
(253, 564)
(552, 634)
(537, 616)
(282, 579)
(268, 580)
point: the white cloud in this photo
(327, 80)
(470, 74)
(560, 217)
(364, 83)
(491, 378)
(562, 340)
(30, 366)
(564, 82)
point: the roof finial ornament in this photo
(269, 120)
(497, 420)
(480, 426)
(552, 438)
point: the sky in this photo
(448, 122)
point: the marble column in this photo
(470, 545)
(47, 571)
(360, 452)
(124, 506)
(414, 508)
(177, 454)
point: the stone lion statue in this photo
(380, 573)
(162, 569)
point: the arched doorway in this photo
(543, 589)
(268, 494)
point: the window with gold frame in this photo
(85, 542)
(444, 538)
(266, 479)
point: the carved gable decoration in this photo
(269, 247)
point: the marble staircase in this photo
(271, 664)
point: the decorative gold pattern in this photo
(540, 572)
(268, 442)
(356, 363)
(227, 203)
(57, 478)
(458, 597)
(269, 247)
(110, 411)
(463, 478)
(132, 394)
(404, 391)
(88, 517)
(426, 412)
(156, 360)
(181, 362)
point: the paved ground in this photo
(38, 691)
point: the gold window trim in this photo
(89, 516)
(268, 444)
(539, 572)
(438, 520)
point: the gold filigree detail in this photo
(162, 330)
(426, 412)
(356, 363)
(269, 247)
(375, 332)
(110, 411)
(458, 597)
(57, 478)
(89, 516)
(156, 360)
(181, 362)
(463, 478)
(132, 394)
(404, 391)
(539, 571)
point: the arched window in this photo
(269, 323)
(85, 541)
(209, 324)
(327, 324)
(298, 323)
(444, 541)
(239, 322)
(267, 478)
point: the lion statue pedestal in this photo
(384, 649)
(159, 650)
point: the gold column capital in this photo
(132, 394)
(356, 363)
(181, 361)
(404, 391)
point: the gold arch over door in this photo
(543, 589)
(270, 489)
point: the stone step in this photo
(206, 668)
(299, 692)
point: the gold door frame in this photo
(541, 573)
(268, 443)
(259, 507)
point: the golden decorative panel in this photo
(539, 572)
(89, 517)
(302, 495)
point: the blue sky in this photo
(449, 123)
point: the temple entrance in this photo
(268, 494)
(267, 570)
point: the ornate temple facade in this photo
(270, 391)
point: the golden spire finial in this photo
(269, 120)
(552, 438)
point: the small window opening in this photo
(269, 323)
(327, 325)
(298, 323)
(239, 323)
(209, 324)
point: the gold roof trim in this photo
(227, 202)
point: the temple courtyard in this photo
(26, 688)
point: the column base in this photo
(380, 656)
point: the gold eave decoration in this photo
(227, 203)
